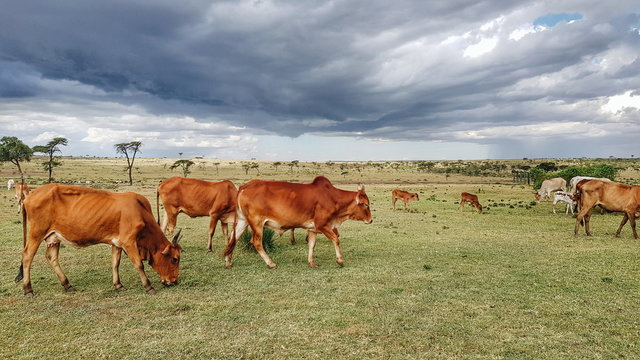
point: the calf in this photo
(472, 199)
(568, 198)
(404, 196)
(21, 191)
(611, 196)
(10, 184)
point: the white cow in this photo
(548, 186)
(10, 184)
(562, 196)
(576, 179)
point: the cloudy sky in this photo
(324, 80)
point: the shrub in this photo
(267, 240)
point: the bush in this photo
(267, 240)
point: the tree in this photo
(251, 165)
(276, 164)
(216, 165)
(51, 149)
(129, 150)
(14, 150)
(292, 164)
(184, 164)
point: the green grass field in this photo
(430, 283)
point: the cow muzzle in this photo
(169, 283)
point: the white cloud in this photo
(482, 47)
(618, 103)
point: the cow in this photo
(194, 197)
(21, 191)
(548, 186)
(318, 207)
(568, 198)
(82, 216)
(404, 196)
(610, 195)
(471, 199)
(10, 184)
(576, 179)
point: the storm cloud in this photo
(525, 78)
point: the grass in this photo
(431, 282)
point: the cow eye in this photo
(175, 260)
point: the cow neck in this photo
(345, 199)
(151, 244)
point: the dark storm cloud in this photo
(401, 71)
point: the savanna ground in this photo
(429, 283)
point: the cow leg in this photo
(293, 236)
(170, 219)
(225, 230)
(53, 250)
(116, 255)
(240, 227)
(581, 216)
(28, 254)
(587, 220)
(632, 222)
(311, 239)
(554, 205)
(212, 229)
(461, 204)
(329, 232)
(393, 202)
(256, 241)
(134, 257)
(625, 217)
(406, 203)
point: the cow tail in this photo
(231, 244)
(158, 205)
(24, 243)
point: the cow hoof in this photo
(70, 289)
(209, 251)
(313, 265)
(228, 266)
(272, 266)
(121, 288)
(152, 291)
(29, 294)
(340, 264)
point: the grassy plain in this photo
(430, 283)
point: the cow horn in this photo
(360, 187)
(176, 237)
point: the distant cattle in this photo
(21, 191)
(471, 199)
(318, 207)
(548, 186)
(194, 197)
(404, 196)
(576, 179)
(610, 195)
(565, 197)
(10, 184)
(81, 216)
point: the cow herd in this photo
(82, 216)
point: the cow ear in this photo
(360, 187)
(166, 250)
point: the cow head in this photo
(479, 207)
(537, 195)
(167, 262)
(415, 196)
(361, 210)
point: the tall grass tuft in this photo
(267, 240)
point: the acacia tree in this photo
(292, 164)
(14, 150)
(216, 165)
(51, 149)
(276, 164)
(184, 164)
(129, 150)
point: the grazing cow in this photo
(404, 196)
(21, 191)
(611, 196)
(471, 199)
(318, 207)
(82, 216)
(10, 184)
(194, 197)
(548, 186)
(568, 198)
(576, 179)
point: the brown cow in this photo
(404, 196)
(472, 199)
(610, 195)
(194, 197)
(21, 191)
(82, 216)
(318, 207)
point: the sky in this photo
(324, 80)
